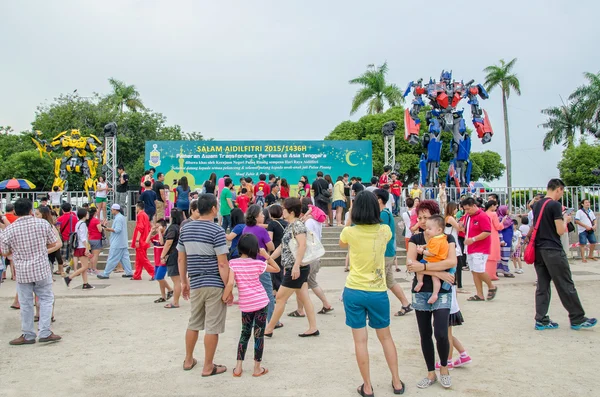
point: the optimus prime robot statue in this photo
(81, 154)
(444, 96)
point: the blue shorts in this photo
(362, 304)
(338, 203)
(420, 299)
(160, 272)
(584, 237)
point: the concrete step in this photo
(341, 261)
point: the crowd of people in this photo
(254, 237)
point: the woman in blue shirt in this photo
(183, 196)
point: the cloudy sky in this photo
(280, 69)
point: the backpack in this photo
(73, 240)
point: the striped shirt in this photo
(252, 295)
(202, 241)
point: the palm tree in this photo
(588, 99)
(124, 95)
(564, 123)
(501, 76)
(375, 90)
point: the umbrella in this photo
(14, 184)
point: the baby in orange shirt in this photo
(436, 250)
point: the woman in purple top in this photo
(254, 218)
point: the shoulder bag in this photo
(529, 255)
(314, 248)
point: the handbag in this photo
(529, 255)
(314, 248)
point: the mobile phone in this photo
(568, 211)
(174, 181)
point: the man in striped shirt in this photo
(203, 257)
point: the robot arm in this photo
(42, 145)
(411, 117)
(481, 120)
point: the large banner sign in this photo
(286, 159)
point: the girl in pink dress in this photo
(494, 257)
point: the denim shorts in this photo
(338, 203)
(359, 305)
(584, 237)
(419, 301)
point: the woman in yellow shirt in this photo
(365, 293)
(339, 200)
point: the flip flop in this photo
(215, 370)
(237, 375)
(492, 293)
(160, 300)
(263, 372)
(324, 310)
(15, 307)
(171, 306)
(475, 298)
(361, 391)
(279, 325)
(190, 368)
(296, 314)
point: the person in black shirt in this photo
(276, 227)
(357, 187)
(121, 188)
(551, 262)
(322, 194)
(272, 197)
(148, 197)
(159, 190)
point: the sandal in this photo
(190, 368)
(263, 372)
(171, 306)
(160, 300)
(400, 390)
(15, 307)
(475, 298)
(509, 275)
(279, 325)
(237, 375)
(169, 295)
(592, 258)
(296, 314)
(405, 310)
(215, 370)
(361, 391)
(324, 310)
(492, 293)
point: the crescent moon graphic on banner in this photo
(350, 163)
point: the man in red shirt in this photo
(396, 188)
(10, 213)
(384, 178)
(66, 224)
(138, 241)
(478, 228)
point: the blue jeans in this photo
(43, 290)
(226, 222)
(265, 280)
(116, 255)
(396, 204)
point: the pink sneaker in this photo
(459, 362)
(450, 365)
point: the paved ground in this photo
(117, 342)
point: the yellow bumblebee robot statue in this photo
(81, 155)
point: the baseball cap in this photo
(116, 207)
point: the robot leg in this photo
(434, 151)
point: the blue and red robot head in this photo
(446, 76)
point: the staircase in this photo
(334, 255)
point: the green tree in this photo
(588, 99)
(501, 76)
(562, 123)
(577, 164)
(487, 166)
(375, 90)
(28, 165)
(124, 95)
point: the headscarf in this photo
(502, 212)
